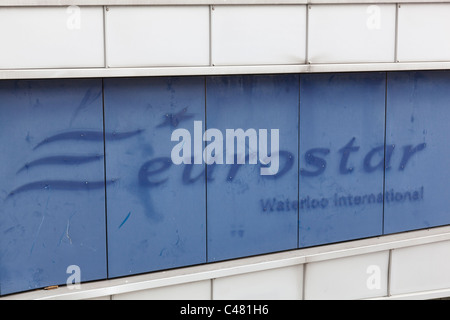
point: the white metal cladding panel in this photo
(100, 298)
(51, 37)
(357, 277)
(423, 32)
(420, 268)
(275, 284)
(157, 36)
(258, 35)
(200, 290)
(155, 40)
(351, 33)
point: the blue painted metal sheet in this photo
(341, 157)
(354, 161)
(250, 213)
(418, 117)
(52, 206)
(156, 209)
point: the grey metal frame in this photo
(216, 70)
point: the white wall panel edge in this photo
(163, 36)
(24, 3)
(51, 37)
(241, 266)
(422, 30)
(5, 3)
(17, 74)
(383, 243)
(351, 34)
(348, 278)
(422, 295)
(276, 35)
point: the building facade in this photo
(224, 149)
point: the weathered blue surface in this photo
(417, 178)
(156, 209)
(249, 213)
(341, 157)
(52, 199)
(360, 155)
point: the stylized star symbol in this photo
(174, 120)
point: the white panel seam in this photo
(105, 44)
(396, 34)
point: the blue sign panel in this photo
(108, 178)
(341, 157)
(252, 187)
(156, 208)
(52, 203)
(417, 173)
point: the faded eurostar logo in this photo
(241, 147)
(87, 136)
(70, 160)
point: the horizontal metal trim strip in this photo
(19, 3)
(216, 70)
(421, 295)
